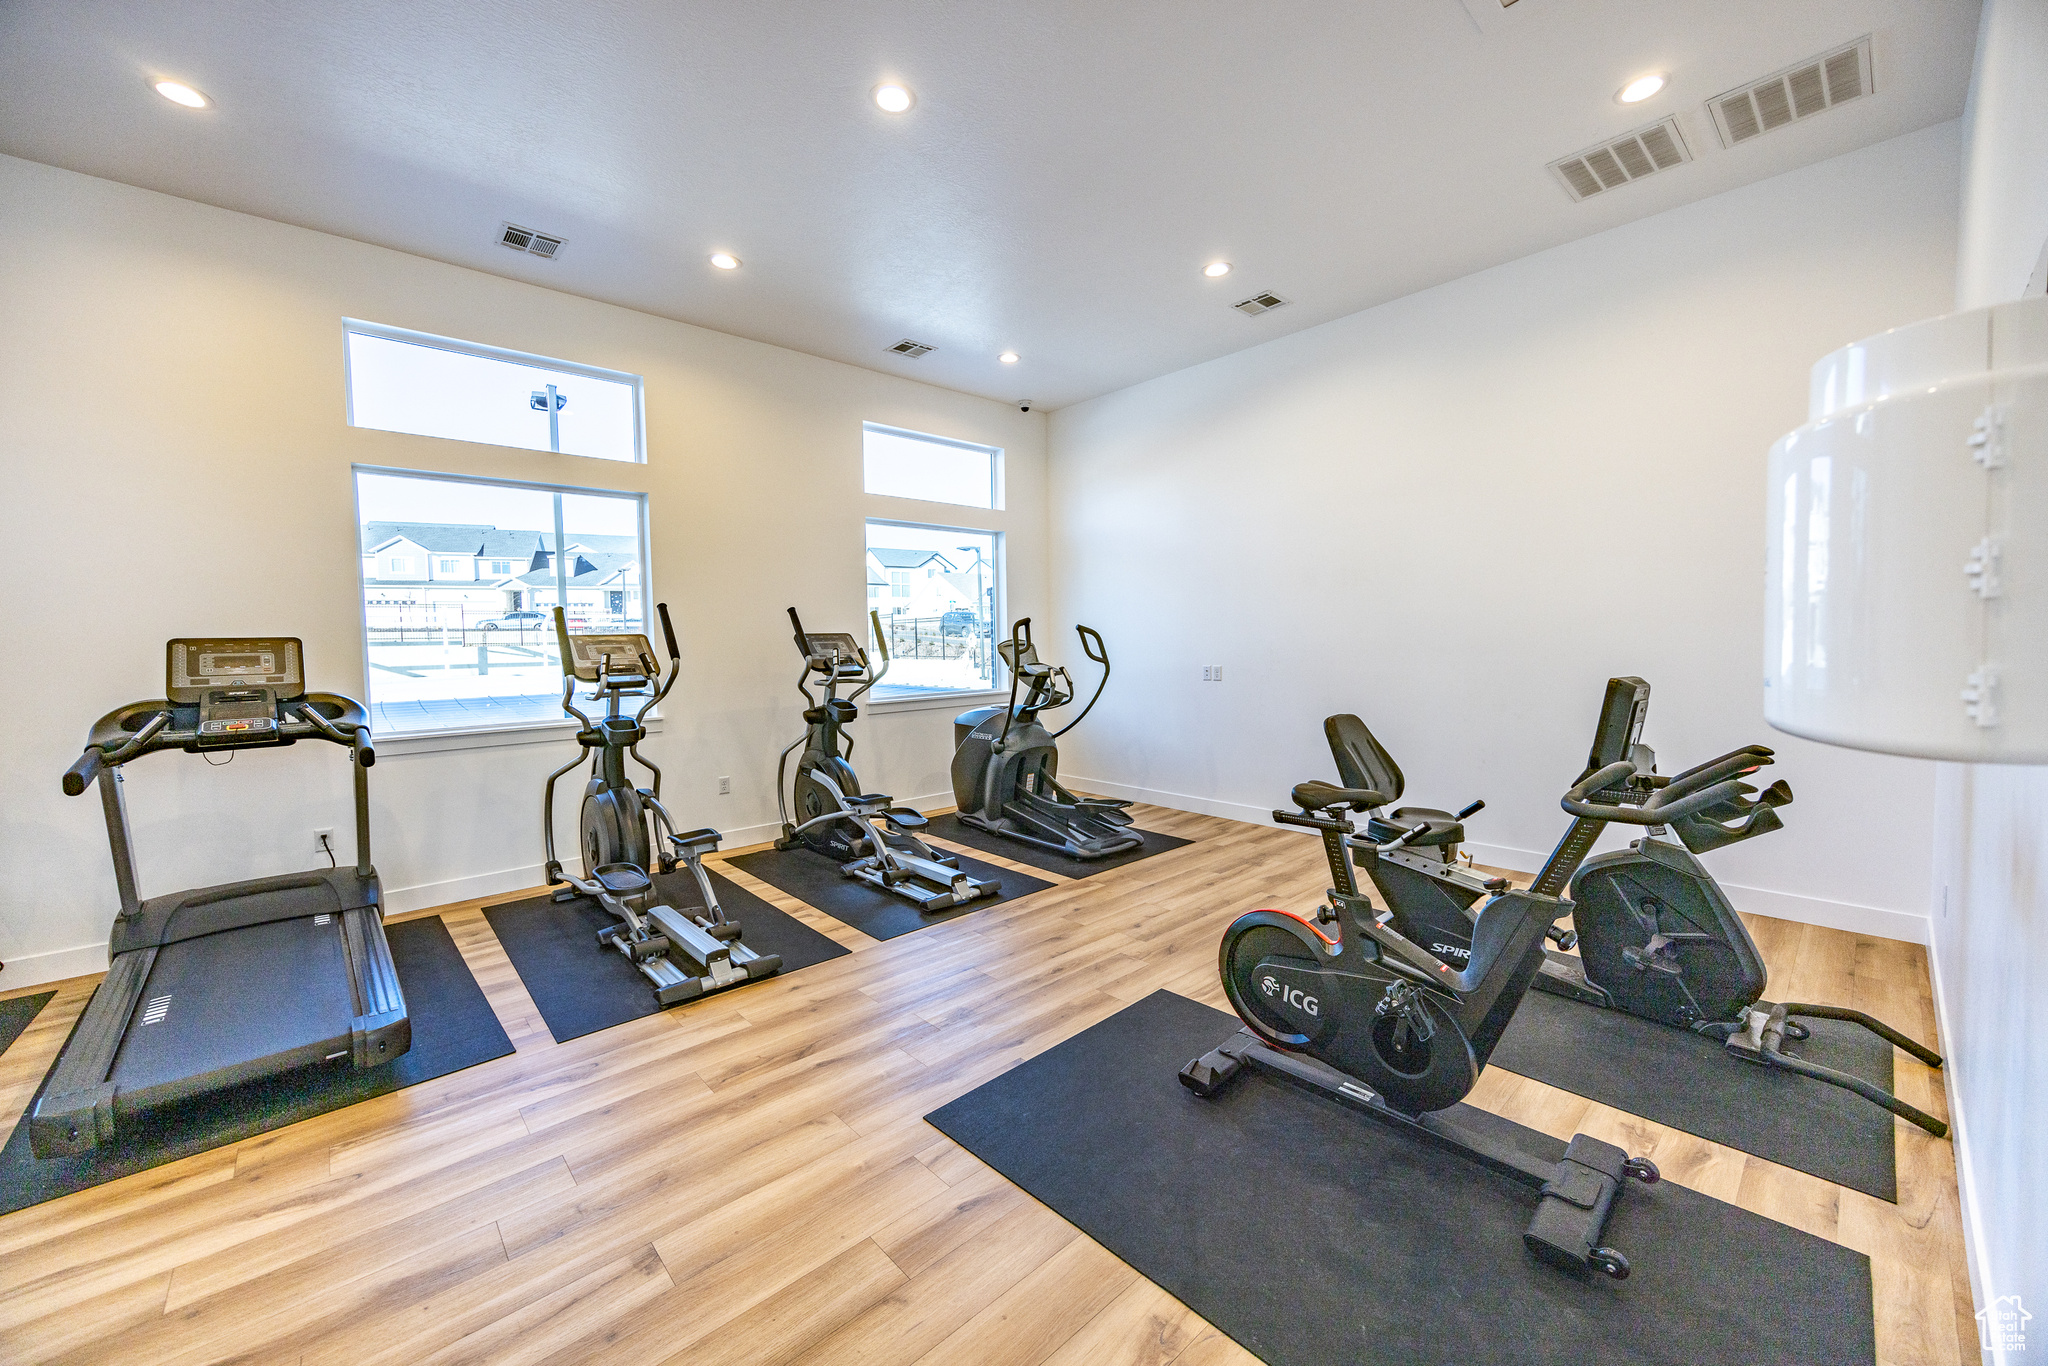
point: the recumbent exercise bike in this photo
(1344, 1004)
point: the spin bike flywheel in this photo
(1381, 1029)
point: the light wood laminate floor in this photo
(748, 1179)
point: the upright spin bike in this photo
(683, 953)
(872, 839)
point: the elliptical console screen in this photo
(836, 648)
(618, 654)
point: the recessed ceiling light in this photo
(177, 92)
(725, 260)
(894, 99)
(1640, 89)
(1008, 358)
(1216, 270)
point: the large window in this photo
(401, 381)
(935, 469)
(473, 647)
(937, 592)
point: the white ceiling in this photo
(1066, 172)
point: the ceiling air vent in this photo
(1643, 152)
(1797, 92)
(527, 240)
(1259, 303)
(907, 347)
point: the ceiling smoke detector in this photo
(1644, 152)
(1259, 303)
(1799, 91)
(527, 240)
(910, 348)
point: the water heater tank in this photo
(1907, 569)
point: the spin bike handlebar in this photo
(1662, 808)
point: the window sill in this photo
(495, 737)
(934, 701)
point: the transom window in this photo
(935, 469)
(400, 381)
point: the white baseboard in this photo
(34, 969)
(1808, 910)
(1177, 801)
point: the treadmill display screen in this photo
(216, 665)
(270, 662)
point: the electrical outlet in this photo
(1216, 673)
(725, 787)
(1205, 673)
(323, 840)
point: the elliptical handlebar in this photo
(1099, 653)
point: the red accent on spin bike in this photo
(1314, 929)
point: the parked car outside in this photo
(515, 621)
(959, 622)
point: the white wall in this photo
(1990, 933)
(1459, 513)
(176, 462)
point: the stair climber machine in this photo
(1006, 764)
(1656, 935)
(872, 840)
(684, 954)
(1345, 1005)
(211, 988)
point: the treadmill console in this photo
(618, 656)
(235, 684)
(833, 652)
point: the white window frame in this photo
(515, 732)
(999, 678)
(995, 466)
(470, 348)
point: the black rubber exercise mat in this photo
(453, 1027)
(1683, 1081)
(580, 987)
(816, 881)
(949, 826)
(16, 1012)
(1313, 1235)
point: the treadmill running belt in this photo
(453, 1027)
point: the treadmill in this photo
(211, 988)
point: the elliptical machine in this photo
(1006, 764)
(684, 954)
(872, 840)
(1344, 1004)
(1656, 935)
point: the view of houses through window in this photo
(936, 591)
(460, 579)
